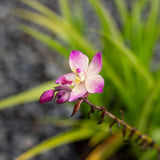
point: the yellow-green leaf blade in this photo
(64, 138)
(26, 96)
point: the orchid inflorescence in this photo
(85, 80)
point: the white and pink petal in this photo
(94, 84)
(96, 64)
(78, 60)
(78, 91)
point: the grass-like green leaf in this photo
(106, 148)
(45, 39)
(26, 96)
(151, 33)
(132, 58)
(106, 19)
(122, 10)
(147, 108)
(58, 25)
(61, 139)
(65, 10)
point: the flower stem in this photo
(145, 139)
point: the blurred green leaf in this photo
(65, 10)
(58, 25)
(149, 155)
(138, 67)
(105, 149)
(26, 96)
(45, 39)
(122, 10)
(147, 108)
(106, 19)
(151, 32)
(61, 139)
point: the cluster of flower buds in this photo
(84, 79)
(62, 94)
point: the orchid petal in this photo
(94, 84)
(66, 79)
(78, 60)
(78, 91)
(96, 64)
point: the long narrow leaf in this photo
(106, 19)
(65, 10)
(64, 30)
(122, 10)
(150, 31)
(64, 138)
(132, 58)
(45, 39)
(136, 28)
(26, 96)
(105, 149)
(146, 110)
(43, 10)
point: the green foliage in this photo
(66, 137)
(127, 52)
(26, 96)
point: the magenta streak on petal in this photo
(63, 81)
(46, 96)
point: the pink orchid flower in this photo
(84, 76)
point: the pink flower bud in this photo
(47, 96)
(63, 93)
